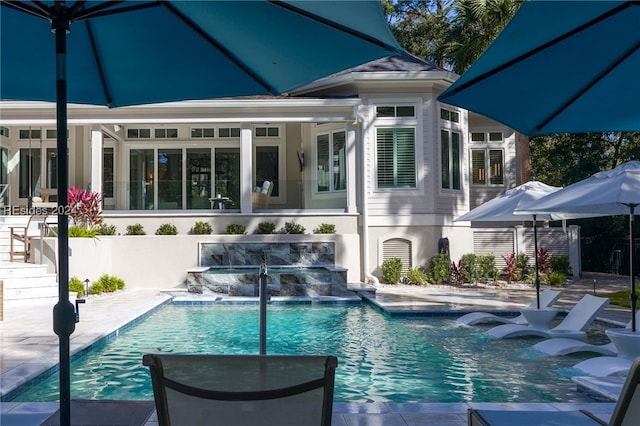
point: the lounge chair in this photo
(572, 326)
(242, 389)
(625, 413)
(547, 298)
(564, 346)
(627, 344)
(262, 195)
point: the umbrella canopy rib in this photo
(96, 57)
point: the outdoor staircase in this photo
(23, 282)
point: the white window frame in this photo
(331, 164)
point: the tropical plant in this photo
(104, 229)
(456, 276)
(293, 228)
(557, 278)
(416, 276)
(96, 288)
(135, 229)
(487, 267)
(201, 228)
(392, 270)
(109, 283)
(167, 229)
(266, 228)
(325, 228)
(469, 267)
(235, 229)
(84, 207)
(76, 231)
(544, 261)
(561, 264)
(76, 286)
(510, 268)
(522, 266)
(438, 272)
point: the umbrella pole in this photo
(633, 297)
(535, 247)
(63, 311)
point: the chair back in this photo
(627, 410)
(242, 389)
(583, 313)
(547, 298)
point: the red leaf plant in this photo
(511, 267)
(85, 207)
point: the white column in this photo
(96, 159)
(573, 239)
(246, 169)
(351, 168)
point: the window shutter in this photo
(396, 158)
(478, 171)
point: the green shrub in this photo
(557, 278)
(136, 229)
(235, 229)
(325, 228)
(469, 267)
(522, 266)
(294, 228)
(438, 272)
(110, 283)
(167, 229)
(487, 267)
(416, 276)
(76, 286)
(104, 229)
(201, 228)
(392, 270)
(561, 264)
(266, 228)
(75, 231)
(96, 288)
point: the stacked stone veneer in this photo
(294, 269)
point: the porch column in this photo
(246, 169)
(575, 251)
(96, 159)
(351, 159)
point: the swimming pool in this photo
(380, 358)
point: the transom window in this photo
(229, 132)
(386, 111)
(491, 137)
(449, 115)
(166, 133)
(487, 167)
(138, 133)
(396, 157)
(267, 132)
(202, 132)
(29, 134)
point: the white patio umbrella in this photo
(608, 193)
(503, 209)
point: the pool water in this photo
(380, 358)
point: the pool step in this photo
(25, 282)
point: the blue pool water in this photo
(380, 358)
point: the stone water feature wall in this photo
(294, 269)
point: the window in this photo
(267, 132)
(52, 167)
(29, 173)
(229, 132)
(396, 157)
(491, 137)
(29, 134)
(387, 111)
(448, 115)
(202, 132)
(138, 133)
(450, 155)
(487, 167)
(166, 133)
(331, 162)
(267, 167)
(107, 172)
(4, 131)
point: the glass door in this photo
(141, 175)
(169, 179)
(199, 178)
(227, 175)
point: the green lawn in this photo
(620, 298)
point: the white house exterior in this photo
(370, 150)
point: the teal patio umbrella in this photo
(559, 67)
(119, 53)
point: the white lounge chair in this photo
(627, 343)
(565, 346)
(625, 413)
(573, 325)
(547, 298)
